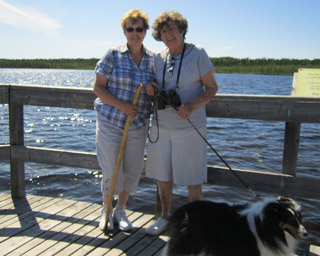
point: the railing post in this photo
(17, 174)
(291, 148)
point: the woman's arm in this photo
(100, 89)
(211, 88)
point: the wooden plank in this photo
(128, 244)
(48, 227)
(141, 244)
(73, 233)
(16, 208)
(4, 152)
(60, 231)
(75, 244)
(4, 94)
(156, 246)
(43, 224)
(17, 175)
(19, 235)
(259, 181)
(110, 242)
(55, 157)
(259, 107)
(24, 213)
(267, 108)
(114, 242)
(291, 148)
(266, 182)
(53, 96)
(5, 199)
(93, 239)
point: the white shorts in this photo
(108, 141)
(180, 155)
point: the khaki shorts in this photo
(180, 155)
(108, 141)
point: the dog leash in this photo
(207, 142)
(226, 164)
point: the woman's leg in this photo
(195, 192)
(120, 216)
(102, 222)
(123, 198)
(165, 191)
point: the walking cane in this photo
(116, 169)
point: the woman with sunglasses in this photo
(184, 73)
(118, 75)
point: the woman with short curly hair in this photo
(186, 83)
(163, 20)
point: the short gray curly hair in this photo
(163, 19)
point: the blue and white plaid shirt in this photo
(124, 77)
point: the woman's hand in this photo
(184, 111)
(152, 88)
(211, 87)
(129, 109)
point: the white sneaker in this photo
(103, 219)
(158, 227)
(121, 218)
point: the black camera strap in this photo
(153, 99)
(165, 66)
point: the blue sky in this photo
(235, 28)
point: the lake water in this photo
(244, 144)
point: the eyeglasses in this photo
(171, 67)
(170, 29)
(139, 30)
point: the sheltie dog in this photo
(271, 227)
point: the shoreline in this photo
(228, 65)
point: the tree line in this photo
(262, 66)
(222, 64)
(49, 63)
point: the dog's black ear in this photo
(272, 210)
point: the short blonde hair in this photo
(135, 15)
(163, 19)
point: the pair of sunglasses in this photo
(139, 30)
(171, 67)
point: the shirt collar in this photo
(124, 48)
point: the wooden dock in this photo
(37, 225)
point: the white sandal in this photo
(120, 217)
(158, 227)
(102, 222)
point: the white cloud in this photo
(28, 18)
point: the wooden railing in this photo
(291, 110)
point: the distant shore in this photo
(261, 66)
